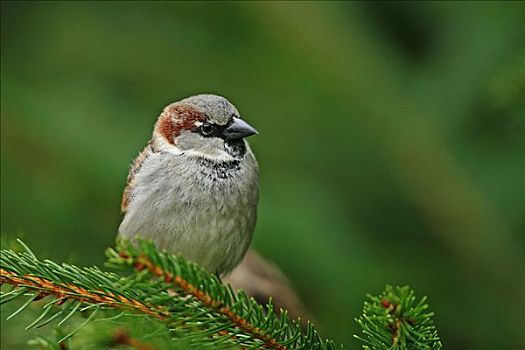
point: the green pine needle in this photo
(394, 320)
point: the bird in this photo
(193, 190)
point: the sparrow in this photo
(193, 190)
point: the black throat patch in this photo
(219, 170)
(235, 148)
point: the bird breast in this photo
(194, 206)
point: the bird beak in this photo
(239, 129)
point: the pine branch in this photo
(246, 316)
(65, 292)
(189, 304)
(393, 320)
(192, 304)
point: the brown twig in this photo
(70, 291)
(122, 337)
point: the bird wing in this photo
(134, 169)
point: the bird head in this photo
(204, 125)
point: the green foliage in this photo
(394, 320)
(391, 140)
(166, 302)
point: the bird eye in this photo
(207, 129)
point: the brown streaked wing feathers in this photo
(134, 169)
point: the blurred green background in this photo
(391, 146)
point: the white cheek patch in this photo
(198, 123)
(217, 156)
